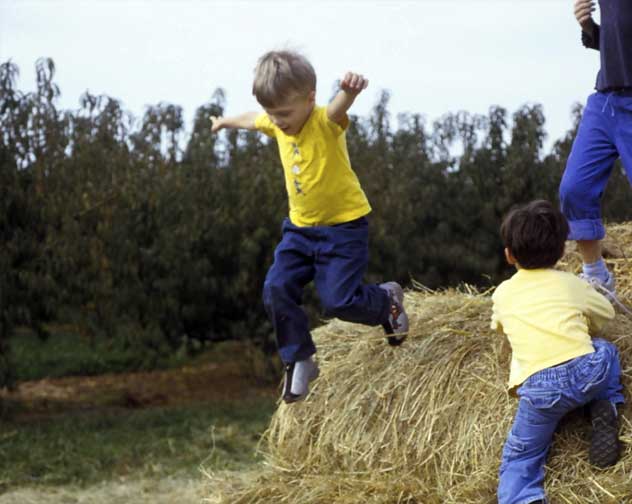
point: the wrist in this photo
(351, 93)
(588, 26)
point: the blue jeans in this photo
(545, 397)
(335, 258)
(604, 134)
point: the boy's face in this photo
(292, 114)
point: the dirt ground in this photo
(202, 382)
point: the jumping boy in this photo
(325, 238)
(604, 134)
(546, 315)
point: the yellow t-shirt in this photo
(548, 316)
(322, 188)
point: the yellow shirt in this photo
(322, 188)
(547, 315)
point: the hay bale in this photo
(425, 423)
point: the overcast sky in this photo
(434, 56)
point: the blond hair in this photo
(279, 75)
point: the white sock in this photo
(598, 270)
(302, 375)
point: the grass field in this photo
(67, 353)
(88, 447)
(129, 437)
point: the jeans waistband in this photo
(559, 372)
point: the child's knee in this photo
(273, 290)
(513, 449)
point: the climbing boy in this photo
(325, 238)
(556, 367)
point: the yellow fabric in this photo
(548, 316)
(322, 188)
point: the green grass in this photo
(65, 354)
(88, 447)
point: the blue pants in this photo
(604, 134)
(545, 397)
(336, 258)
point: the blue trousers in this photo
(604, 134)
(545, 397)
(335, 258)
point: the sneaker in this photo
(397, 324)
(604, 444)
(298, 375)
(606, 288)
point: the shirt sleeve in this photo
(265, 125)
(335, 128)
(591, 40)
(496, 325)
(598, 309)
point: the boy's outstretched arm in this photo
(350, 87)
(242, 121)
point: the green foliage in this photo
(136, 233)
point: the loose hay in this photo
(425, 423)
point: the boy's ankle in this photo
(597, 270)
(298, 376)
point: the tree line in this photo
(131, 229)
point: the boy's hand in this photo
(583, 13)
(216, 124)
(350, 87)
(242, 121)
(353, 83)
